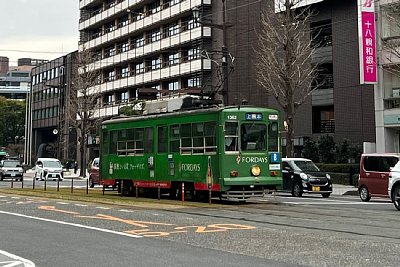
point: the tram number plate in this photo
(315, 188)
(12, 174)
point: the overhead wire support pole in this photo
(224, 49)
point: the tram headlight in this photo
(255, 170)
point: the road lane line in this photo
(19, 260)
(71, 224)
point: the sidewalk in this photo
(340, 189)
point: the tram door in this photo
(160, 162)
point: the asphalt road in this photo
(264, 233)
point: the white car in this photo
(48, 168)
(394, 185)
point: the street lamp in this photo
(224, 49)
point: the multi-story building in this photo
(145, 49)
(15, 82)
(387, 92)
(49, 134)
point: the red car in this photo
(94, 172)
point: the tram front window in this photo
(253, 136)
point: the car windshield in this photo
(52, 164)
(9, 163)
(305, 165)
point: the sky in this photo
(40, 29)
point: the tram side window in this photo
(186, 138)
(121, 143)
(113, 143)
(231, 136)
(210, 136)
(138, 139)
(273, 136)
(198, 138)
(174, 138)
(162, 139)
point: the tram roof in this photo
(186, 112)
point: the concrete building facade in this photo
(48, 132)
(387, 91)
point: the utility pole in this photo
(224, 49)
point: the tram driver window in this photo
(231, 136)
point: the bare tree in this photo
(391, 37)
(83, 101)
(284, 54)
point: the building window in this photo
(193, 82)
(110, 75)
(139, 42)
(154, 35)
(190, 23)
(323, 119)
(168, 3)
(139, 68)
(321, 33)
(123, 97)
(123, 21)
(109, 99)
(155, 63)
(173, 85)
(124, 72)
(110, 27)
(123, 47)
(192, 53)
(154, 7)
(173, 59)
(172, 29)
(109, 52)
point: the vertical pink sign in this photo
(367, 42)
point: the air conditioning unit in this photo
(396, 92)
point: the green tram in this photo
(232, 152)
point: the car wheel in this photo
(91, 184)
(396, 197)
(1, 177)
(326, 195)
(364, 194)
(297, 190)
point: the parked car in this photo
(48, 168)
(394, 185)
(374, 174)
(94, 172)
(11, 169)
(301, 175)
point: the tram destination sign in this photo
(254, 116)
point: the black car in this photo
(303, 176)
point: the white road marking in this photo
(127, 210)
(103, 208)
(18, 260)
(81, 205)
(63, 203)
(71, 224)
